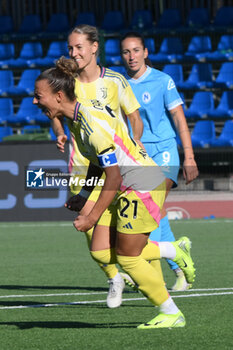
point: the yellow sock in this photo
(156, 264)
(106, 256)
(151, 251)
(110, 270)
(147, 278)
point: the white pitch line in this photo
(104, 301)
(49, 295)
(69, 223)
(50, 224)
(203, 290)
(97, 293)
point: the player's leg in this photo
(143, 210)
(115, 279)
(168, 158)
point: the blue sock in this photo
(156, 234)
(167, 236)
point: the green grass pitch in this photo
(52, 294)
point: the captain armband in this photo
(107, 160)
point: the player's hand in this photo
(83, 223)
(140, 144)
(190, 170)
(76, 203)
(61, 140)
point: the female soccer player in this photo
(98, 85)
(130, 176)
(161, 109)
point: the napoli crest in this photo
(146, 97)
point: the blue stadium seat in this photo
(56, 50)
(27, 113)
(6, 81)
(142, 20)
(224, 50)
(225, 106)
(224, 17)
(6, 109)
(226, 136)
(203, 133)
(199, 48)
(170, 18)
(171, 50)
(31, 24)
(198, 17)
(150, 45)
(200, 77)
(225, 76)
(7, 53)
(119, 69)
(175, 71)
(58, 23)
(29, 52)
(26, 83)
(202, 104)
(112, 52)
(86, 18)
(113, 21)
(5, 131)
(6, 25)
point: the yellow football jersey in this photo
(102, 139)
(111, 89)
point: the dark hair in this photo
(90, 31)
(141, 38)
(61, 77)
(133, 35)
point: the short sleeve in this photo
(172, 98)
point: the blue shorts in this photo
(165, 154)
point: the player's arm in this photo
(111, 185)
(58, 130)
(190, 170)
(130, 106)
(77, 202)
(136, 124)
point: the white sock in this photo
(168, 307)
(117, 278)
(167, 250)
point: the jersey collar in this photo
(102, 71)
(142, 77)
(76, 109)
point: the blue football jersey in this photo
(157, 94)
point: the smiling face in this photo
(47, 100)
(133, 55)
(81, 49)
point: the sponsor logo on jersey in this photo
(171, 84)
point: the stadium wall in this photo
(18, 203)
(210, 196)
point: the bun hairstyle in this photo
(61, 77)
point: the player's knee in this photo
(127, 262)
(106, 256)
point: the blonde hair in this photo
(91, 33)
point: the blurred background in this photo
(191, 40)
